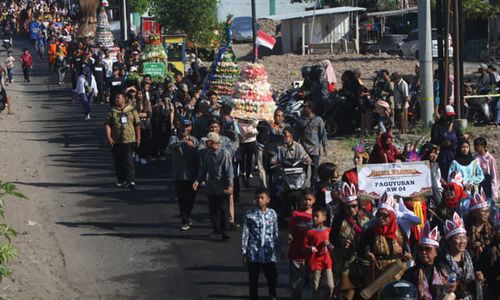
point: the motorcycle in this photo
(288, 181)
(480, 110)
(291, 102)
(341, 115)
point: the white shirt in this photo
(401, 91)
(80, 85)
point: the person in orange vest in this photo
(52, 53)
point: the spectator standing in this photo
(217, 171)
(86, 89)
(185, 163)
(401, 101)
(488, 164)
(9, 64)
(100, 76)
(27, 64)
(123, 131)
(260, 244)
(312, 136)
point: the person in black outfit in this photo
(184, 148)
(100, 76)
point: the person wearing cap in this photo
(217, 171)
(311, 134)
(185, 164)
(100, 78)
(123, 132)
(347, 228)
(458, 259)
(183, 94)
(429, 273)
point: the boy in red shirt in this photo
(317, 245)
(300, 222)
(27, 63)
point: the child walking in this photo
(260, 244)
(27, 64)
(317, 245)
(300, 222)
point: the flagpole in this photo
(254, 32)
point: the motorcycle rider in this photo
(290, 150)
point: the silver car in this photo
(409, 47)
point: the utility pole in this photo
(425, 57)
(254, 32)
(124, 20)
(458, 62)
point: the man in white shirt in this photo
(401, 101)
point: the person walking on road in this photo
(123, 130)
(9, 64)
(260, 244)
(217, 171)
(86, 89)
(185, 159)
(27, 64)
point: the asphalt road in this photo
(121, 244)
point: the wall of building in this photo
(263, 8)
(327, 29)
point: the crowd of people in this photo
(338, 242)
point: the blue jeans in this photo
(87, 103)
(10, 74)
(381, 124)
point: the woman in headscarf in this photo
(384, 243)
(384, 151)
(472, 174)
(346, 233)
(429, 274)
(458, 260)
(329, 74)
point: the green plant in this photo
(7, 249)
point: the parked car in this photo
(242, 29)
(388, 43)
(409, 47)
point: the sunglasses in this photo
(352, 206)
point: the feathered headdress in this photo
(349, 193)
(454, 227)
(386, 202)
(478, 201)
(429, 237)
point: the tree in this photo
(196, 18)
(481, 9)
(140, 6)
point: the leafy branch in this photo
(7, 249)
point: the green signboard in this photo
(153, 69)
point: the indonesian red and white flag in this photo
(264, 39)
